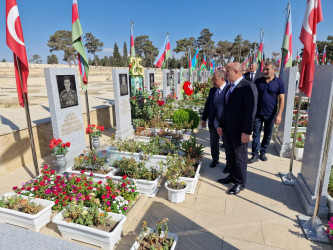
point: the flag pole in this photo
(27, 113)
(88, 115)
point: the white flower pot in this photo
(95, 177)
(136, 244)
(299, 154)
(330, 203)
(175, 195)
(32, 222)
(120, 154)
(140, 138)
(105, 240)
(191, 182)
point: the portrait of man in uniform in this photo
(67, 91)
(123, 84)
(151, 80)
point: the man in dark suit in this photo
(213, 112)
(253, 74)
(236, 124)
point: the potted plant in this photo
(146, 179)
(25, 212)
(128, 149)
(176, 187)
(95, 132)
(190, 174)
(299, 148)
(90, 224)
(192, 149)
(158, 238)
(59, 149)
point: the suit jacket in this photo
(247, 76)
(239, 113)
(211, 110)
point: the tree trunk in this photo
(95, 60)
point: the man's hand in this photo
(203, 123)
(219, 131)
(245, 138)
(278, 119)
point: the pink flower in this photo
(48, 191)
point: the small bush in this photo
(193, 118)
(180, 117)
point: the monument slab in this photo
(166, 83)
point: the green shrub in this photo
(193, 118)
(180, 117)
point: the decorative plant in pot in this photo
(95, 132)
(91, 162)
(60, 149)
(192, 149)
(176, 188)
(90, 224)
(158, 238)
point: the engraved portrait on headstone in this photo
(123, 84)
(168, 79)
(67, 91)
(151, 80)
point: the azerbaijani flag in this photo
(78, 45)
(211, 67)
(204, 63)
(316, 56)
(260, 54)
(195, 60)
(287, 44)
(323, 58)
(132, 50)
(163, 55)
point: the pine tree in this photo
(125, 55)
(117, 55)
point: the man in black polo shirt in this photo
(271, 91)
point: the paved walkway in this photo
(263, 216)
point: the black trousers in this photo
(214, 144)
(237, 158)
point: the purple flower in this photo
(48, 191)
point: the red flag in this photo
(15, 41)
(313, 15)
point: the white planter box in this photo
(136, 244)
(32, 222)
(119, 154)
(299, 154)
(95, 177)
(153, 161)
(330, 203)
(174, 195)
(149, 188)
(299, 129)
(192, 182)
(105, 240)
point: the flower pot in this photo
(330, 204)
(175, 195)
(105, 240)
(32, 222)
(120, 154)
(96, 177)
(136, 244)
(192, 182)
(299, 154)
(61, 163)
(95, 142)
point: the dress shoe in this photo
(235, 189)
(213, 164)
(226, 180)
(226, 169)
(263, 157)
(254, 158)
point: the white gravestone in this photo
(307, 181)
(282, 141)
(149, 78)
(177, 83)
(63, 90)
(120, 78)
(166, 83)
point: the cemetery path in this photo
(263, 216)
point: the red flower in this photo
(134, 97)
(14, 188)
(68, 144)
(77, 179)
(123, 184)
(56, 201)
(124, 177)
(100, 182)
(113, 196)
(102, 128)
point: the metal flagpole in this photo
(312, 227)
(27, 113)
(88, 115)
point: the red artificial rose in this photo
(113, 196)
(68, 144)
(102, 128)
(124, 177)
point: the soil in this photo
(179, 186)
(108, 227)
(158, 245)
(34, 209)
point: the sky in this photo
(109, 21)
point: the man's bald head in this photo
(234, 71)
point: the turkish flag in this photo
(313, 15)
(15, 41)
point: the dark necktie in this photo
(217, 95)
(228, 93)
(252, 78)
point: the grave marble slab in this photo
(166, 83)
(149, 78)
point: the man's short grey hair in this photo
(220, 74)
(272, 64)
(254, 63)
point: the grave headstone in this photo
(63, 91)
(120, 79)
(166, 83)
(307, 181)
(149, 78)
(177, 83)
(282, 140)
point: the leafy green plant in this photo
(90, 161)
(127, 146)
(161, 146)
(18, 203)
(175, 165)
(192, 150)
(193, 118)
(180, 117)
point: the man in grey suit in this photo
(253, 74)
(213, 112)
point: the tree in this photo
(117, 56)
(105, 61)
(206, 43)
(185, 45)
(223, 51)
(145, 49)
(329, 48)
(93, 45)
(3, 60)
(236, 48)
(52, 59)
(125, 55)
(62, 40)
(35, 59)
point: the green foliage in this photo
(93, 45)
(175, 165)
(330, 184)
(62, 40)
(35, 59)
(92, 160)
(161, 146)
(127, 146)
(192, 150)
(180, 117)
(193, 118)
(125, 55)
(52, 59)
(3, 60)
(145, 49)
(118, 61)
(18, 203)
